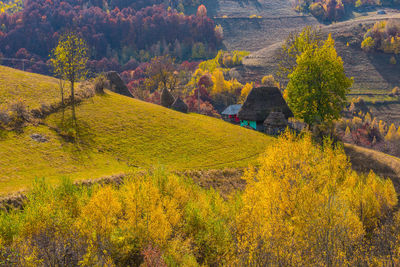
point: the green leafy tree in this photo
(295, 44)
(317, 88)
(199, 51)
(69, 60)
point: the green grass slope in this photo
(33, 89)
(117, 134)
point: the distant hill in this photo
(117, 134)
(372, 72)
(263, 36)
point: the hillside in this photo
(263, 36)
(372, 72)
(364, 159)
(276, 19)
(116, 134)
(28, 87)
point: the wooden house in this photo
(258, 105)
(230, 114)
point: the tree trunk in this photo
(72, 93)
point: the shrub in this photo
(19, 115)
(317, 10)
(393, 60)
(270, 81)
(4, 118)
(228, 61)
(368, 44)
(396, 91)
(99, 84)
(153, 257)
(383, 36)
(152, 218)
(392, 27)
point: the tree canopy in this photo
(69, 59)
(318, 85)
(295, 44)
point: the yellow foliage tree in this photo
(218, 81)
(368, 44)
(398, 133)
(305, 206)
(382, 128)
(368, 118)
(347, 133)
(69, 60)
(391, 134)
(270, 81)
(245, 92)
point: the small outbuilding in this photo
(230, 114)
(258, 105)
(275, 123)
(179, 105)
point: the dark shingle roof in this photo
(261, 101)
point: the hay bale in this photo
(261, 101)
(179, 105)
(116, 84)
(167, 99)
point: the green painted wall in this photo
(252, 124)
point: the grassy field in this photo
(33, 89)
(115, 135)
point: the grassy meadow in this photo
(33, 89)
(116, 134)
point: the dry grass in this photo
(364, 160)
